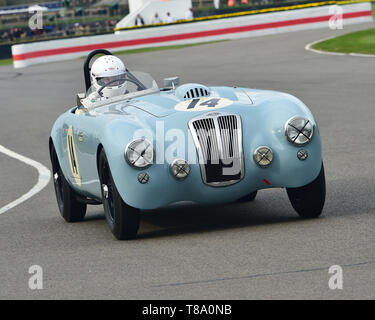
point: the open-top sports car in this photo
(145, 147)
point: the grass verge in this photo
(5, 62)
(354, 42)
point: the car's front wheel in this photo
(309, 200)
(70, 208)
(122, 219)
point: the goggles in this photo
(113, 81)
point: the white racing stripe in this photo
(43, 179)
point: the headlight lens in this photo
(180, 169)
(263, 156)
(139, 153)
(299, 130)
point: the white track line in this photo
(309, 47)
(44, 177)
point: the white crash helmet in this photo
(107, 69)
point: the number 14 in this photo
(209, 103)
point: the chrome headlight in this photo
(180, 168)
(299, 130)
(139, 153)
(263, 156)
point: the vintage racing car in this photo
(148, 147)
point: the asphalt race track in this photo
(243, 251)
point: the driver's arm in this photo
(89, 101)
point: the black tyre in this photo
(122, 219)
(309, 200)
(70, 208)
(248, 198)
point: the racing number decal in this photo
(203, 104)
(72, 155)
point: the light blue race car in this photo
(148, 147)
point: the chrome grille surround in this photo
(218, 139)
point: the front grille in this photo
(205, 130)
(228, 128)
(218, 139)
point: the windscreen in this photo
(110, 89)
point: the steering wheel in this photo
(139, 85)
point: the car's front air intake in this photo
(196, 92)
(192, 91)
(218, 139)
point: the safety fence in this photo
(202, 31)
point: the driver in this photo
(110, 72)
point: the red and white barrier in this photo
(220, 29)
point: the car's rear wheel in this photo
(70, 208)
(248, 198)
(122, 219)
(309, 200)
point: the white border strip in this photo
(44, 177)
(309, 47)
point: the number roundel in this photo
(203, 104)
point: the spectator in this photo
(217, 4)
(36, 32)
(14, 34)
(169, 18)
(76, 28)
(23, 34)
(231, 3)
(139, 20)
(29, 33)
(5, 36)
(81, 29)
(156, 19)
(189, 15)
